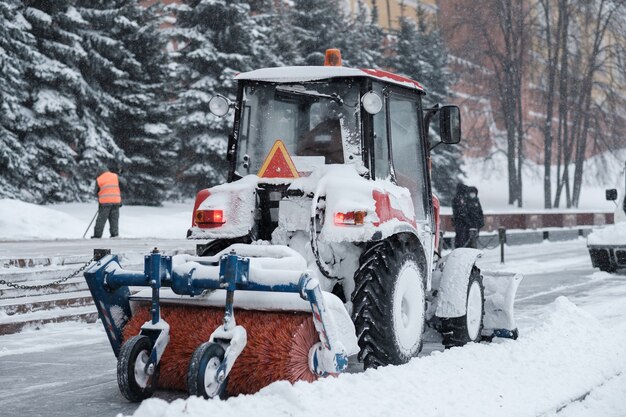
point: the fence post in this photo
(473, 239)
(100, 253)
(502, 236)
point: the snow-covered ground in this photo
(25, 221)
(569, 361)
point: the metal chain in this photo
(485, 246)
(37, 287)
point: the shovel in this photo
(91, 222)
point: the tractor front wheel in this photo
(136, 380)
(459, 331)
(389, 304)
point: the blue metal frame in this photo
(109, 282)
(108, 298)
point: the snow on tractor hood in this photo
(388, 208)
(386, 205)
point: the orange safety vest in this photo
(109, 189)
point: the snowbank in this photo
(25, 221)
(568, 355)
(609, 235)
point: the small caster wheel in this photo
(201, 376)
(135, 381)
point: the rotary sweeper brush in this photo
(320, 247)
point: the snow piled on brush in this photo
(567, 358)
(25, 221)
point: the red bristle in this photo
(277, 349)
(299, 355)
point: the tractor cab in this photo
(293, 123)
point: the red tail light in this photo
(351, 218)
(209, 218)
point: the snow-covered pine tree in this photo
(218, 41)
(420, 53)
(69, 130)
(128, 62)
(16, 45)
(276, 46)
(317, 26)
(364, 38)
(433, 56)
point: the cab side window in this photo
(406, 146)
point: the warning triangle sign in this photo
(278, 163)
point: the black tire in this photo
(207, 354)
(133, 389)
(375, 304)
(455, 331)
(214, 247)
(607, 268)
(218, 245)
(601, 258)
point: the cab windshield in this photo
(317, 121)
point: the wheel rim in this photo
(474, 310)
(210, 372)
(141, 377)
(408, 308)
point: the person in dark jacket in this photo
(474, 210)
(109, 203)
(467, 213)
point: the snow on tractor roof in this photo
(314, 73)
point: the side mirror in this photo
(219, 105)
(450, 124)
(611, 195)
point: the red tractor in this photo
(327, 232)
(334, 162)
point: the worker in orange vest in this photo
(109, 203)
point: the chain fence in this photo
(486, 246)
(50, 284)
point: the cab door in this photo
(408, 157)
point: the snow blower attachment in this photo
(209, 367)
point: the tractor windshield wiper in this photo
(301, 90)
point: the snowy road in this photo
(69, 370)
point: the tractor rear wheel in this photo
(388, 304)
(459, 331)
